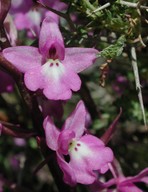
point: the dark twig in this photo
(17, 132)
(86, 97)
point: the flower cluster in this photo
(48, 73)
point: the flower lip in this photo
(53, 69)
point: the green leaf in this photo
(115, 50)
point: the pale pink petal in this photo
(83, 175)
(57, 82)
(69, 176)
(71, 80)
(23, 57)
(51, 43)
(79, 162)
(51, 133)
(34, 79)
(57, 91)
(90, 153)
(76, 121)
(79, 59)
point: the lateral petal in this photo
(23, 57)
(69, 176)
(51, 133)
(79, 59)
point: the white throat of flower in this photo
(53, 69)
(78, 149)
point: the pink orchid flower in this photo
(88, 154)
(28, 15)
(51, 67)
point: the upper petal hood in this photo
(51, 133)
(51, 43)
(76, 121)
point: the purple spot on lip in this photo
(51, 64)
(76, 149)
(57, 64)
(78, 144)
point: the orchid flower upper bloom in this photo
(51, 67)
(88, 154)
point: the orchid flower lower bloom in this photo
(88, 154)
(51, 67)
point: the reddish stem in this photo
(106, 137)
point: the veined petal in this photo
(79, 59)
(23, 57)
(51, 133)
(51, 43)
(76, 121)
(69, 176)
